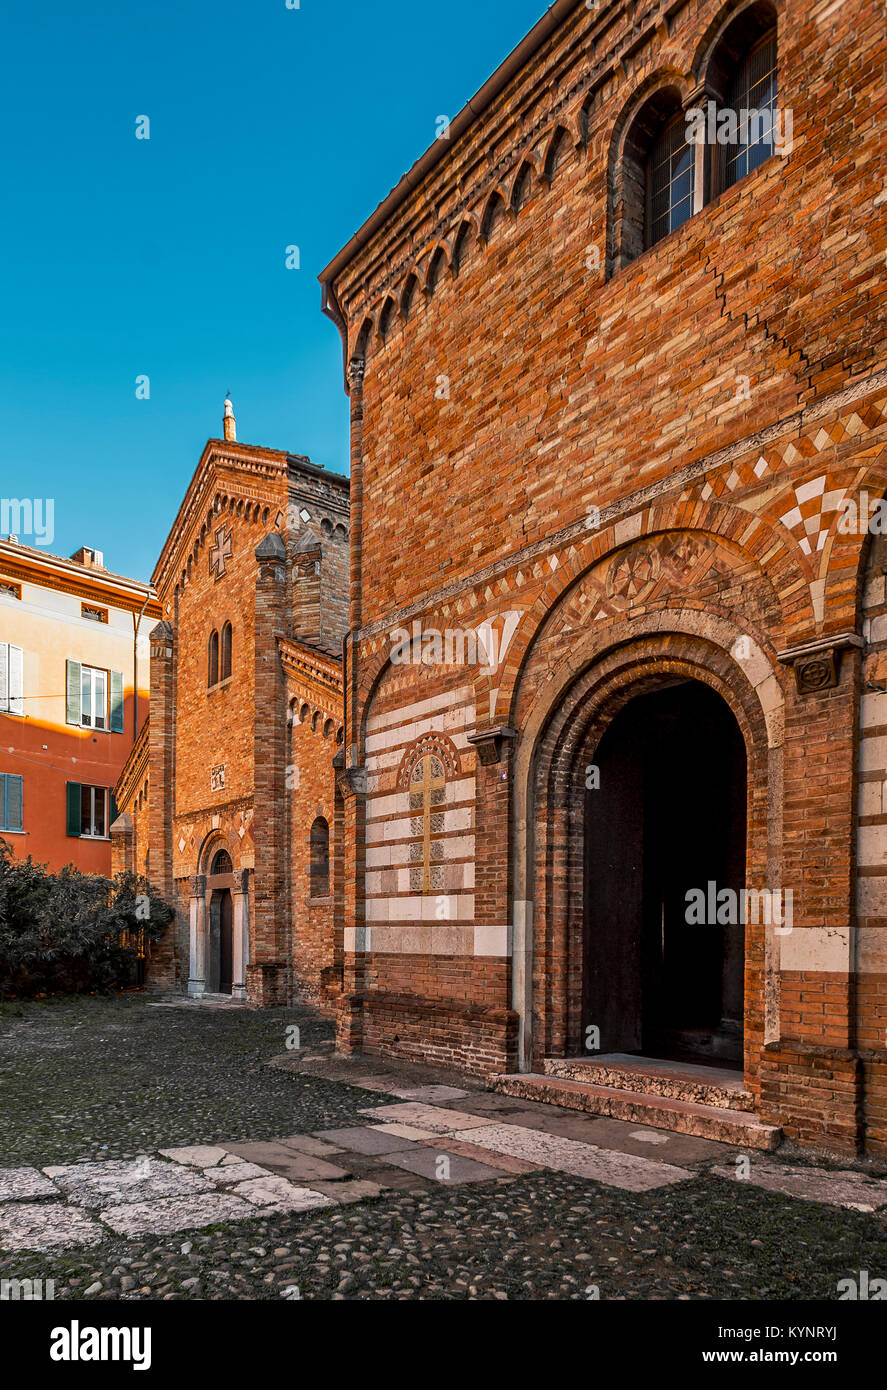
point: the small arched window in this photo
(225, 660)
(751, 100)
(213, 660)
(221, 863)
(320, 859)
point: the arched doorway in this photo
(665, 815)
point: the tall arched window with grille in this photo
(225, 658)
(212, 677)
(320, 859)
(752, 97)
(670, 179)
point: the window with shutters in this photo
(12, 666)
(91, 811)
(94, 697)
(11, 801)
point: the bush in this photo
(71, 932)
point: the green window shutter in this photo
(113, 813)
(74, 824)
(14, 786)
(74, 708)
(3, 825)
(116, 702)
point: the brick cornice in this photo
(135, 769)
(317, 676)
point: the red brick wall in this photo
(715, 399)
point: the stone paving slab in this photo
(430, 1095)
(307, 1144)
(286, 1162)
(376, 1168)
(125, 1180)
(504, 1162)
(490, 1101)
(352, 1190)
(197, 1155)
(837, 1189)
(176, 1214)
(226, 1173)
(371, 1083)
(405, 1132)
(366, 1139)
(626, 1171)
(46, 1226)
(431, 1117)
(21, 1184)
(280, 1195)
(624, 1136)
(426, 1162)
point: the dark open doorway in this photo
(668, 816)
(221, 963)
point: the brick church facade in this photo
(625, 650)
(228, 801)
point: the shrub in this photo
(71, 932)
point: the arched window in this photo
(492, 217)
(653, 175)
(225, 664)
(320, 859)
(386, 319)
(213, 660)
(221, 863)
(670, 180)
(751, 100)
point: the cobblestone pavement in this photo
(151, 1152)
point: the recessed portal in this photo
(220, 977)
(668, 816)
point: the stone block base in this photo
(472, 1038)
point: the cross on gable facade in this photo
(220, 552)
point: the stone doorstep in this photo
(658, 1112)
(712, 1086)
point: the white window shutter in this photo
(4, 676)
(16, 666)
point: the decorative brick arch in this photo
(756, 538)
(214, 840)
(556, 735)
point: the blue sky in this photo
(166, 257)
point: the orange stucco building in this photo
(74, 688)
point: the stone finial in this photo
(229, 424)
(271, 549)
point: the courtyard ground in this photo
(223, 1165)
